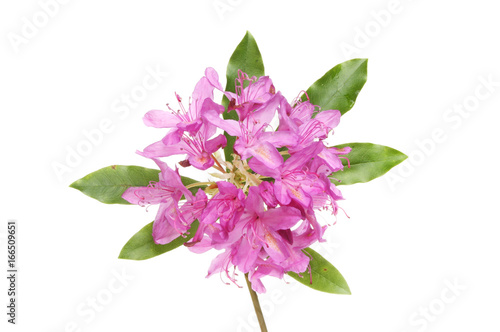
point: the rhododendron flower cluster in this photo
(259, 210)
(267, 170)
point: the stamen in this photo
(348, 162)
(335, 179)
(344, 212)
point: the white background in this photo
(431, 222)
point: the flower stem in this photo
(199, 184)
(220, 168)
(256, 306)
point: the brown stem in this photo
(218, 164)
(256, 305)
(219, 169)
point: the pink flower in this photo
(309, 127)
(266, 230)
(253, 139)
(190, 134)
(263, 228)
(227, 206)
(292, 180)
(187, 120)
(292, 118)
(171, 220)
(246, 100)
(261, 243)
(197, 147)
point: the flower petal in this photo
(245, 256)
(331, 159)
(213, 78)
(266, 153)
(163, 232)
(275, 246)
(215, 143)
(144, 195)
(232, 127)
(330, 118)
(260, 168)
(160, 119)
(280, 138)
(265, 113)
(159, 149)
(282, 218)
(281, 192)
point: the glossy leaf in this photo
(368, 161)
(246, 57)
(340, 86)
(108, 184)
(141, 246)
(324, 276)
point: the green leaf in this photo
(339, 87)
(368, 161)
(246, 57)
(324, 276)
(108, 184)
(141, 246)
